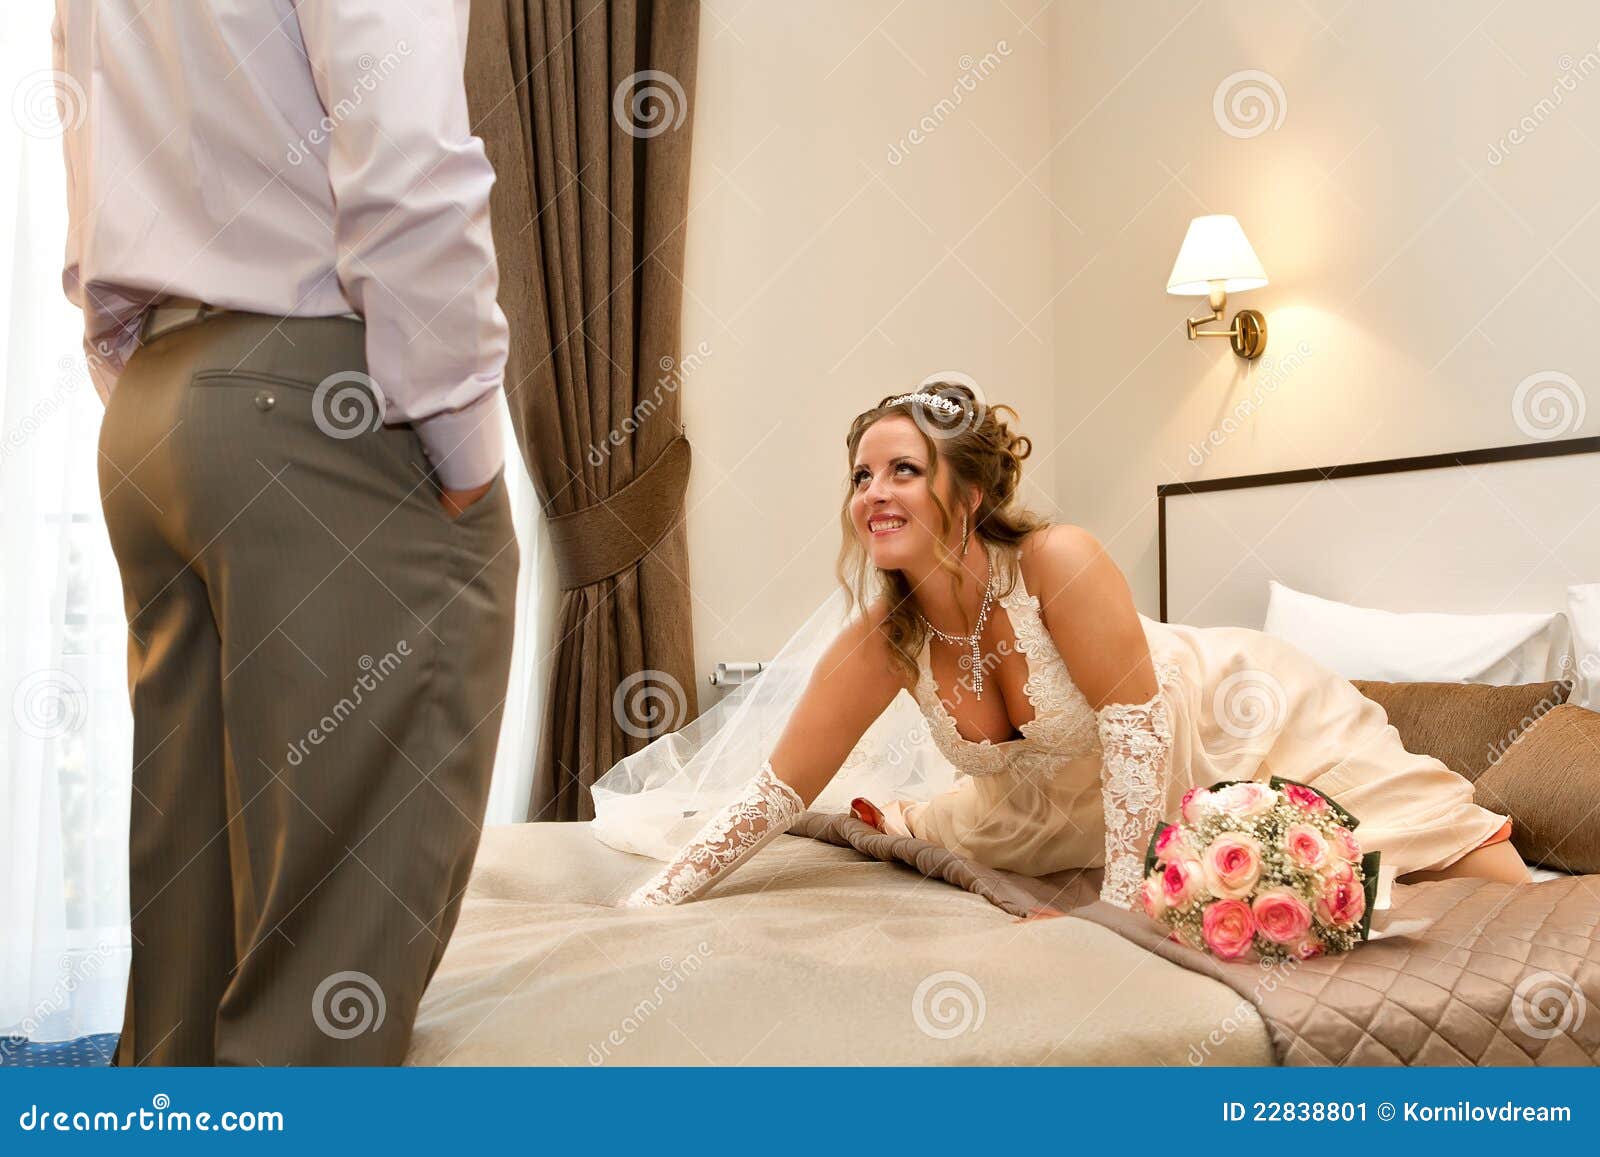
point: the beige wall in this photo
(1027, 239)
(1414, 282)
(821, 275)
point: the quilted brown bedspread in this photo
(1458, 972)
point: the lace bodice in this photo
(1063, 726)
(1131, 740)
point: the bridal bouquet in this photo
(1274, 868)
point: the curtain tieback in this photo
(609, 536)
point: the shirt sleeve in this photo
(104, 351)
(411, 195)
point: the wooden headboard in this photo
(1501, 529)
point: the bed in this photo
(829, 948)
(810, 955)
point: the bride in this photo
(1073, 724)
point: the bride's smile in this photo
(891, 508)
(898, 522)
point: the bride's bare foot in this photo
(1495, 862)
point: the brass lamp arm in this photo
(1247, 335)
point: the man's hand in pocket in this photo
(455, 501)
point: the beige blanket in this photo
(1457, 972)
(810, 954)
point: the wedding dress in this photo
(1078, 787)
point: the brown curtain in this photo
(583, 106)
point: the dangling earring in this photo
(963, 534)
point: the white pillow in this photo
(1583, 609)
(1421, 647)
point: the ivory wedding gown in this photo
(1242, 704)
(1079, 787)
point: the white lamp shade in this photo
(1215, 249)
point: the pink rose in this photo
(1244, 799)
(1171, 845)
(1345, 845)
(1150, 894)
(1195, 802)
(1342, 901)
(1181, 881)
(1304, 797)
(1228, 927)
(1282, 916)
(1308, 948)
(1305, 846)
(1232, 865)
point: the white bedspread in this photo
(809, 954)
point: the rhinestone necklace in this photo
(972, 639)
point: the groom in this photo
(279, 238)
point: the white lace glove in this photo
(766, 808)
(1135, 740)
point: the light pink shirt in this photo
(292, 157)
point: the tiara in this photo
(937, 401)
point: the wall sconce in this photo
(1216, 259)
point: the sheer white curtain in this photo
(65, 764)
(537, 597)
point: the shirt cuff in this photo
(467, 446)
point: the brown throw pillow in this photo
(1548, 782)
(1465, 726)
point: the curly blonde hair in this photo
(979, 449)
